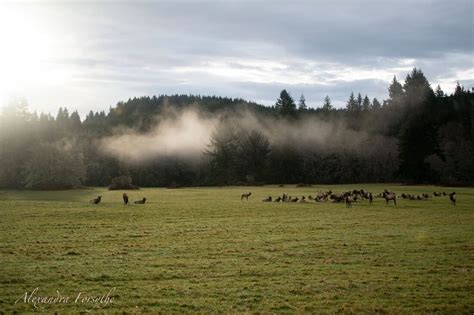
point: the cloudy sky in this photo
(91, 55)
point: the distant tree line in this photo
(417, 135)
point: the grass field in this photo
(203, 250)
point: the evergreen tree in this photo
(253, 151)
(418, 131)
(351, 103)
(223, 153)
(376, 104)
(359, 102)
(54, 166)
(75, 121)
(366, 104)
(459, 90)
(302, 103)
(439, 92)
(327, 106)
(285, 105)
(417, 88)
(395, 92)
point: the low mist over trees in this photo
(417, 135)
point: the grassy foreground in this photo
(203, 250)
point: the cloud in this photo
(107, 52)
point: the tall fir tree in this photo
(359, 102)
(366, 106)
(302, 103)
(459, 90)
(395, 92)
(285, 105)
(439, 92)
(376, 104)
(327, 106)
(351, 103)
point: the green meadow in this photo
(204, 250)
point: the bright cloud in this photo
(90, 56)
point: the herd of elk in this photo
(349, 197)
(125, 199)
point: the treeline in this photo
(417, 135)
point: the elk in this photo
(96, 201)
(349, 201)
(125, 198)
(277, 199)
(452, 197)
(371, 198)
(390, 196)
(338, 197)
(295, 199)
(245, 195)
(140, 202)
(269, 199)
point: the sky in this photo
(90, 55)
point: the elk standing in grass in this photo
(245, 195)
(390, 196)
(125, 198)
(452, 197)
(349, 201)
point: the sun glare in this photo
(24, 51)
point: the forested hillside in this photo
(417, 135)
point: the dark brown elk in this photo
(140, 202)
(269, 199)
(337, 197)
(245, 195)
(452, 197)
(277, 199)
(96, 201)
(295, 199)
(125, 198)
